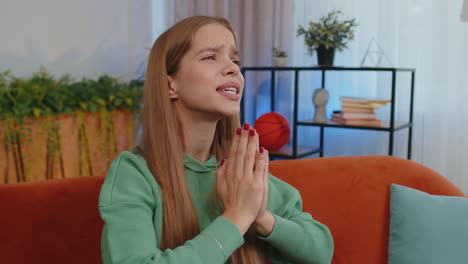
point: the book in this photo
(361, 102)
(354, 122)
(347, 109)
(354, 115)
(359, 105)
(364, 100)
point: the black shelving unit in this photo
(390, 126)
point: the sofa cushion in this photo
(427, 228)
(53, 222)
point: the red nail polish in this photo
(246, 126)
(222, 162)
(238, 131)
(262, 149)
(252, 132)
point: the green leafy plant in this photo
(330, 32)
(42, 95)
(42, 98)
(279, 53)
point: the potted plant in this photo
(280, 57)
(328, 35)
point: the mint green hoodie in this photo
(130, 204)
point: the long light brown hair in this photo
(162, 142)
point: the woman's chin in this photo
(231, 113)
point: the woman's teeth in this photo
(230, 90)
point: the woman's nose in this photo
(231, 68)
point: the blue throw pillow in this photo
(427, 228)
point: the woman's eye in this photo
(236, 62)
(209, 58)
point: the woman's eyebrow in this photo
(212, 49)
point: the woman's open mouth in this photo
(229, 90)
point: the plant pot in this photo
(280, 61)
(325, 56)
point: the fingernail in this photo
(222, 162)
(238, 131)
(246, 126)
(252, 132)
(262, 149)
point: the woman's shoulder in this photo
(131, 154)
(127, 173)
(129, 159)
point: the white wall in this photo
(84, 38)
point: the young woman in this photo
(170, 200)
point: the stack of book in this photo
(358, 111)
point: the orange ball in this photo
(273, 130)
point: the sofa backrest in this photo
(58, 221)
(54, 221)
(351, 196)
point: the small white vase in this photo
(280, 61)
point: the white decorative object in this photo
(280, 61)
(320, 99)
(374, 55)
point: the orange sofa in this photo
(57, 221)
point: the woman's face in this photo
(209, 81)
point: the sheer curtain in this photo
(464, 13)
(427, 35)
(259, 25)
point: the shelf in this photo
(390, 125)
(385, 126)
(287, 152)
(318, 68)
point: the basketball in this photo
(273, 130)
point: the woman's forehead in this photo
(214, 36)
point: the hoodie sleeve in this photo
(297, 237)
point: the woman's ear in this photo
(172, 87)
